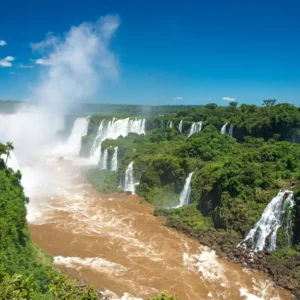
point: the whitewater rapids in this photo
(115, 242)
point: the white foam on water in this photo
(98, 264)
(206, 263)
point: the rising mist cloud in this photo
(75, 66)
(76, 63)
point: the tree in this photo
(269, 102)
(9, 148)
(233, 104)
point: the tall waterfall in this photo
(12, 161)
(185, 195)
(79, 130)
(223, 129)
(104, 160)
(264, 233)
(129, 179)
(170, 124)
(196, 127)
(180, 126)
(112, 130)
(114, 160)
(231, 130)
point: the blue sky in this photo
(169, 52)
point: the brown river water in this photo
(115, 242)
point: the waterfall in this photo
(185, 195)
(231, 130)
(264, 233)
(104, 160)
(129, 179)
(196, 127)
(96, 147)
(114, 160)
(223, 129)
(79, 130)
(170, 124)
(180, 126)
(114, 129)
(12, 161)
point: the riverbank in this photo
(283, 267)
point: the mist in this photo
(73, 67)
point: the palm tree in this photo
(9, 147)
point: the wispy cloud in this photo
(2, 43)
(9, 58)
(178, 98)
(23, 66)
(6, 62)
(12, 73)
(228, 99)
(40, 61)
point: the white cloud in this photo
(178, 98)
(2, 43)
(22, 66)
(228, 99)
(6, 62)
(9, 58)
(12, 73)
(40, 61)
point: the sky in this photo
(165, 52)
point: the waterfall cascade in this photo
(277, 214)
(79, 130)
(223, 129)
(230, 132)
(129, 179)
(114, 160)
(112, 130)
(180, 126)
(12, 161)
(104, 160)
(196, 127)
(170, 124)
(185, 195)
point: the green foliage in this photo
(164, 296)
(103, 181)
(23, 267)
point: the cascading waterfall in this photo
(196, 127)
(12, 161)
(129, 179)
(180, 126)
(79, 130)
(170, 124)
(114, 129)
(104, 160)
(223, 129)
(231, 130)
(185, 195)
(277, 214)
(114, 160)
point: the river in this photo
(115, 242)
